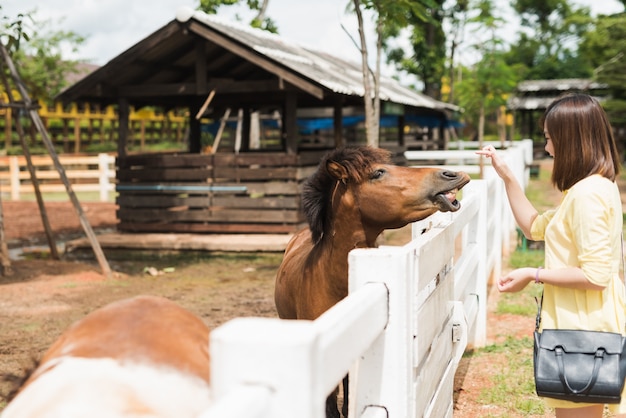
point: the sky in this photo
(112, 26)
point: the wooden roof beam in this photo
(256, 59)
(123, 59)
(191, 89)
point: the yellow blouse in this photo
(584, 231)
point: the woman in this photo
(583, 248)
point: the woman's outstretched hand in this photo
(498, 164)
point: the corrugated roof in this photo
(243, 65)
(538, 94)
(335, 73)
(564, 84)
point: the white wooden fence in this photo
(85, 173)
(411, 313)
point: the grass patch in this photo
(135, 262)
(513, 387)
(526, 258)
(522, 303)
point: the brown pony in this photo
(353, 197)
(144, 356)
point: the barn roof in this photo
(538, 94)
(196, 53)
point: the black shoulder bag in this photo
(578, 365)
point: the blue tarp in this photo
(308, 126)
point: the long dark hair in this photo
(582, 138)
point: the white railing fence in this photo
(411, 313)
(85, 173)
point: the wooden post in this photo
(338, 124)
(103, 176)
(31, 169)
(122, 127)
(290, 124)
(401, 139)
(220, 131)
(76, 136)
(66, 135)
(142, 133)
(5, 260)
(104, 265)
(194, 146)
(101, 126)
(14, 175)
(7, 129)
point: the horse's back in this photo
(145, 356)
(132, 329)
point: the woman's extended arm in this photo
(571, 277)
(523, 211)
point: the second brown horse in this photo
(355, 194)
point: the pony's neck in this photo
(347, 231)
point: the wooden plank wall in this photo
(255, 192)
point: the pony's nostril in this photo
(450, 174)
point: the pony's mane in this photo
(318, 189)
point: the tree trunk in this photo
(481, 135)
(372, 137)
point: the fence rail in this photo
(85, 173)
(411, 313)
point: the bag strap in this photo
(540, 301)
(623, 262)
(538, 318)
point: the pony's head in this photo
(350, 164)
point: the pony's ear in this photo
(336, 170)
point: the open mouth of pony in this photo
(448, 200)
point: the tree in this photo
(14, 30)
(457, 16)
(486, 85)
(548, 46)
(37, 50)
(603, 47)
(427, 56)
(259, 21)
(387, 14)
(41, 63)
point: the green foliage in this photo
(485, 86)
(604, 48)
(41, 64)
(14, 30)
(36, 50)
(100, 147)
(548, 48)
(426, 57)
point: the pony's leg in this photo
(331, 405)
(344, 408)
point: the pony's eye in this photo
(378, 174)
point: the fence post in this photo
(383, 376)
(15, 178)
(103, 170)
(476, 234)
(270, 352)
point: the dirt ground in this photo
(43, 297)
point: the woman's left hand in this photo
(516, 280)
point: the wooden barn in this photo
(290, 103)
(532, 97)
